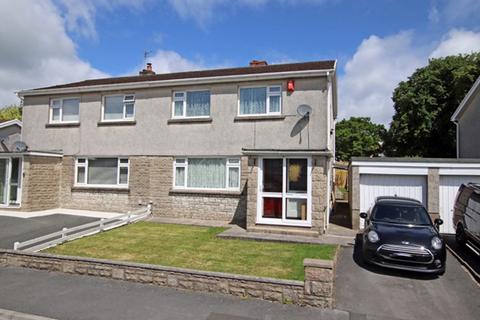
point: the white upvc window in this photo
(207, 173)
(191, 104)
(102, 172)
(64, 110)
(260, 100)
(118, 108)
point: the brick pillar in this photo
(319, 278)
(433, 193)
(354, 196)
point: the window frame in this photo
(227, 173)
(85, 183)
(267, 106)
(184, 106)
(124, 113)
(284, 195)
(50, 110)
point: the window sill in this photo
(259, 118)
(117, 123)
(207, 192)
(63, 125)
(101, 189)
(189, 120)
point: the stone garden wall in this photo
(315, 291)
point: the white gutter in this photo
(174, 82)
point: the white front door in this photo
(284, 191)
(376, 185)
(10, 181)
(448, 190)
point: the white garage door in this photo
(376, 185)
(448, 190)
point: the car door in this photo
(472, 216)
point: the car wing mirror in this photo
(363, 215)
(438, 222)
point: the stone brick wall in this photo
(41, 183)
(151, 179)
(316, 290)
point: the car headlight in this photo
(373, 236)
(437, 243)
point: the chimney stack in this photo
(258, 63)
(148, 71)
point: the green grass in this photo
(196, 248)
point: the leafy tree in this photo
(358, 137)
(10, 113)
(424, 104)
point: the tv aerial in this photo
(304, 110)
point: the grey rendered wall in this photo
(151, 135)
(469, 129)
(10, 135)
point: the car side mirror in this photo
(438, 222)
(363, 215)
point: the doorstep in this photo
(236, 232)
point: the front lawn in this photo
(196, 248)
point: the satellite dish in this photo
(304, 110)
(20, 146)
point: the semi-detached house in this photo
(253, 145)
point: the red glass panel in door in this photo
(272, 208)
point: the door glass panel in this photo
(14, 180)
(272, 175)
(3, 181)
(296, 209)
(297, 176)
(272, 208)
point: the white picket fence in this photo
(67, 234)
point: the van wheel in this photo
(460, 236)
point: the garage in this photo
(433, 181)
(376, 185)
(448, 190)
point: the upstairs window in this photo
(102, 171)
(189, 104)
(118, 108)
(260, 100)
(64, 110)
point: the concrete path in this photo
(386, 293)
(63, 296)
(236, 232)
(72, 212)
(21, 229)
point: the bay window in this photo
(260, 100)
(118, 108)
(64, 110)
(190, 104)
(207, 173)
(101, 171)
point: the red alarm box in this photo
(291, 85)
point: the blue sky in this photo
(377, 43)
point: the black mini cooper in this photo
(399, 234)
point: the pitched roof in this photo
(465, 102)
(303, 66)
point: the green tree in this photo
(358, 137)
(10, 113)
(424, 103)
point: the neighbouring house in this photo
(467, 119)
(10, 163)
(253, 145)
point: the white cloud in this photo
(457, 41)
(165, 61)
(80, 15)
(36, 50)
(379, 64)
(203, 11)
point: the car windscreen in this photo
(401, 214)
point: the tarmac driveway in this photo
(21, 229)
(371, 292)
